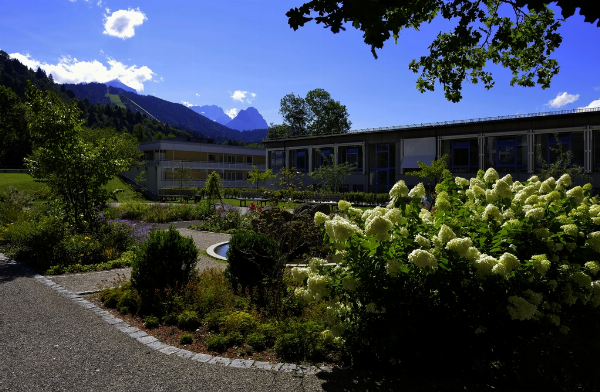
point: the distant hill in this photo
(247, 120)
(185, 118)
(212, 112)
(94, 92)
(117, 84)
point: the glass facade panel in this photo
(352, 154)
(596, 150)
(276, 160)
(506, 154)
(549, 147)
(299, 160)
(321, 156)
(462, 155)
(382, 168)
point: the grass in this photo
(25, 183)
(114, 98)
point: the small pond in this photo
(221, 250)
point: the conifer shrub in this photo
(258, 341)
(252, 257)
(217, 343)
(186, 338)
(188, 320)
(165, 260)
(151, 322)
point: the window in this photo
(352, 154)
(382, 163)
(507, 153)
(211, 158)
(299, 160)
(249, 160)
(547, 144)
(462, 155)
(276, 160)
(596, 151)
(234, 176)
(322, 156)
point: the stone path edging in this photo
(155, 344)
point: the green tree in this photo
(213, 188)
(433, 172)
(75, 170)
(257, 177)
(183, 174)
(518, 34)
(139, 131)
(287, 179)
(332, 174)
(316, 114)
(15, 142)
(562, 164)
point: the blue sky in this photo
(240, 53)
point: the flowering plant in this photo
(499, 259)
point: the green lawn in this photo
(24, 182)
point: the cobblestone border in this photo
(155, 344)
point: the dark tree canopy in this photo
(522, 42)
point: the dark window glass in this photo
(372, 156)
(577, 148)
(596, 143)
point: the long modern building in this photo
(165, 157)
(510, 144)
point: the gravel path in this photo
(49, 342)
(93, 281)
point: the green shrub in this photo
(213, 291)
(170, 319)
(186, 338)
(214, 320)
(252, 257)
(110, 297)
(258, 341)
(151, 322)
(164, 261)
(217, 343)
(289, 346)
(269, 331)
(235, 338)
(301, 340)
(188, 320)
(241, 322)
(129, 302)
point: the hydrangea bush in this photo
(499, 262)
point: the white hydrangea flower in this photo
(422, 259)
(564, 181)
(491, 175)
(399, 190)
(520, 309)
(491, 195)
(443, 202)
(533, 179)
(460, 245)
(524, 193)
(418, 191)
(426, 217)
(299, 274)
(446, 234)
(340, 229)
(500, 269)
(593, 266)
(554, 319)
(502, 188)
(553, 196)
(512, 222)
(492, 212)
(470, 194)
(338, 257)
(472, 253)
(484, 264)
(392, 267)
(404, 232)
(593, 241)
(476, 182)
(303, 295)
(508, 179)
(577, 194)
(478, 191)
(422, 241)
(535, 213)
(508, 213)
(595, 287)
(532, 200)
(582, 279)
(533, 297)
(540, 263)
(343, 205)
(379, 227)
(548, 185)
(320, 218)
(516, 186)
(510, 261)
(562, 219)
(570, 229)
(594, 210)
(543, 233)
(394, 215)
(461, 182)
(317, 286)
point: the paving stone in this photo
(242, 363)
(114, 320)
(184, 354)
(157, 345)
(263, 365)
(307, 369)
(125, 328)
(202, 357)
(287, 367)
(169, 350)
(220, 361)
(138, 334)
(278, 366)
(326, 369)
(147, 339)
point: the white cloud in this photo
(122, 23)
(70, 70)
(562, 99)
(596, 88)
(239, 95)
(197, 94)
(232, 112)
(188, 104)
(593, 104)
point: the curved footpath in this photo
(52, 340)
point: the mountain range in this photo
(210, 121)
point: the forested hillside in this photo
(15, 142)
